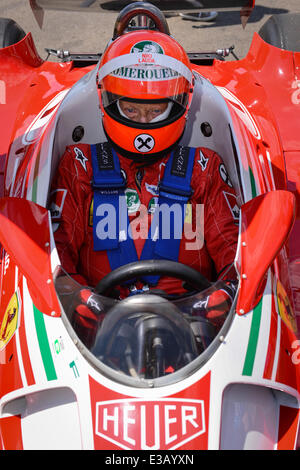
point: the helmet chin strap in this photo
(164, 115)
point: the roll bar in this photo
(145, 13)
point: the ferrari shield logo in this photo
(285, 308)
(10, 321)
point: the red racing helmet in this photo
(145, 68)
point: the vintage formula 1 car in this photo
(156, 378)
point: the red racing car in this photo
(156, 377)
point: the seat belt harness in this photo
(111, 228)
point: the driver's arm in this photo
(70, 190)
(221, 215)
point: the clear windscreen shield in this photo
(145, 336)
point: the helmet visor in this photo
(155, 78)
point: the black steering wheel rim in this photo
(138, 269)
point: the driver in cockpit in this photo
(108, 195)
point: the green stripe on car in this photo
(44, 344)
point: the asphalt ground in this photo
(89, 31)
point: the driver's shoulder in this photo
(206, 160)
(77, 157)
(205, 171)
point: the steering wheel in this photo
(154, 267)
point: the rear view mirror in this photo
(25, 236)
(266, 222)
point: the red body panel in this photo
(270, 147)
(30, 84)
(10, 433)
(270, 213)
(32, 253)
(274, 104)
(288, 426)
(292, 159)
(121, 422)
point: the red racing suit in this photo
(213, 196)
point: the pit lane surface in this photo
(90, 32)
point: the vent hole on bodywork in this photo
(206, 129)
(78, 133)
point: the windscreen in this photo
(145, 336)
